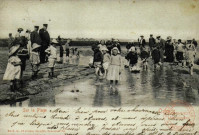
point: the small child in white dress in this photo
(13, 69)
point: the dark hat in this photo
(179, 40)
(10, 34)
(151, 34)
(20, 29)
(46, 25)
(37, 27)
(141, 36)
(28, 30)
(158, 36)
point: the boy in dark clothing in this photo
(156, 57)
(132, 57)
(97, 61)
(144, 57)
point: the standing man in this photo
(161, 47)
(34, 36)
(18, 34)
(10, 41)
(142, 42)
(151, 42)
(45, 37)
(194, 42)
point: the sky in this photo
(124, 19)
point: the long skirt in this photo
(113, 72)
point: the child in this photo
(190, 55)
(35, 60)
(106, 60)
(76, 56)
(115, 68)
(66, 51)
(180, 53)
(132, 57)
(144, 57)
(13, 70)
(52, 52)
(97, 60)
(156, 57)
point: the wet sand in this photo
(145, 88)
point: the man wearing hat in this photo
(161, 46)
(18, 34)
(10, 40)
(151, 42)
(45, 37)
(34, 36)
(142, 42)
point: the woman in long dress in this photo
(169, 50)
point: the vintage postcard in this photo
(99, 67)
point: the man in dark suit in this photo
(34, 36)
(161, 46)
(151, 41)
(142, 42)
(45, 37)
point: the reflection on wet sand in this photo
(145, 88)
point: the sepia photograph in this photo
(99, 54)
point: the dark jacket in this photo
(195, 43)
(151, 42)
(143, 43)
(45, 37)
(132, 57)
(98, 57)
(35, 38)
(156, 56)
(10, 42)
(144, 55)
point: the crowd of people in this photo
(37, 47)
(108, 63)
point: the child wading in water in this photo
(156, 57)
(115, 68)
(13, 70)
(144, 57)
(106, 60)
(97, 60)
(190, 55)
(132, 57)
(35, 60)
(52, 52)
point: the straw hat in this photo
(35, 45)
(13, 49)
(54, 41)
(132, 49)
(169, 38)
(158, 36)
(104, 48)
(20, 29)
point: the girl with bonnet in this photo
(114, 69)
